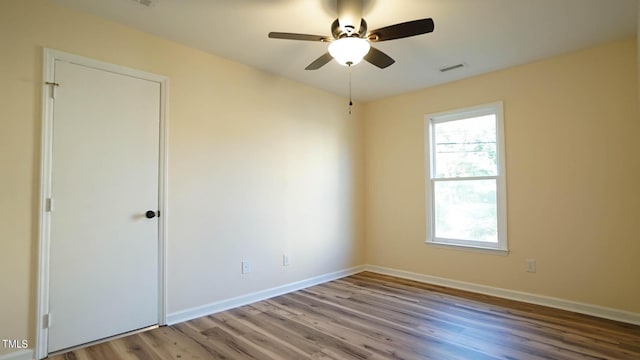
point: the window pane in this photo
(466, 148)
(466, 210)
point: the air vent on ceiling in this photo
(451, 67)
(147, 3)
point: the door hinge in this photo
(53, 86)
(46, 321)
(48, 206)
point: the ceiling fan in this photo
(349, 42)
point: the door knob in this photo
(150, 214)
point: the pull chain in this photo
(350, 102)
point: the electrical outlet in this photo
(531, 265)
(285, 260)
(246, 267)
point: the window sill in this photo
(468, 248)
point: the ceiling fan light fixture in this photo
(349, 51)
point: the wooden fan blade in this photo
(402, 30)
(378, 58)
(293, 36)
(319, 62)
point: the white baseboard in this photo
(26, 354)
(578, 307)
(208, 309)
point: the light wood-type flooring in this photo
(372, 316)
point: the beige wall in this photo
(258, 165)
(573, 175)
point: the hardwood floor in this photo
(372, 316)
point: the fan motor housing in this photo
(337, 32)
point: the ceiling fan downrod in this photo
(349, 15)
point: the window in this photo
(466, 191)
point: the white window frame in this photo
(501, 191)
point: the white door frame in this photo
(44, 239)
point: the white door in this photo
(103, 249)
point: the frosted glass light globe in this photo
(349, 50)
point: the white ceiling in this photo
(485, 35)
